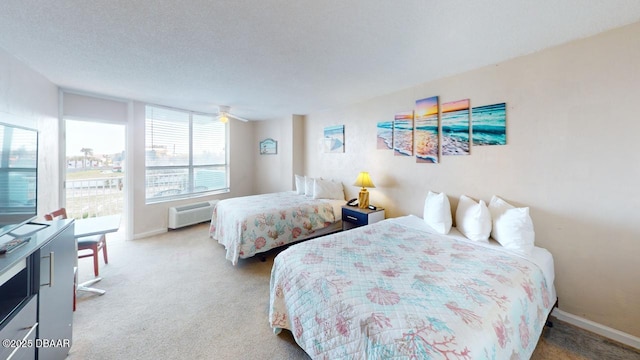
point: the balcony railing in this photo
(175, 182)
(95, 197)
(105, 195)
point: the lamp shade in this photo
(364, 180)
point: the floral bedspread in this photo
(390, 291)
(252, 224)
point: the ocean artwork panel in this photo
(489, 124)
(334, 139)
(403, 134)
(455, 127)
(385, 135)
(426, 134)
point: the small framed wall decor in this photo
(268, 147)
(334, 139)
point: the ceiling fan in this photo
(224, 113)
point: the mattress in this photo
(396, 289)
(540, 256)
(254, 224)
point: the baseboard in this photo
(594, 327)
(149, 233)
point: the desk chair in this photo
(93, 243)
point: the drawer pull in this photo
(29, 327)
(352, 218)
(51, 269)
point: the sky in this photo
(101, 137)
(455, 105)
(427, 106)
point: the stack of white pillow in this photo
(512, 227)
(319, 188)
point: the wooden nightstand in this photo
(354, 216)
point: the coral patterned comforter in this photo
(252, 224)
(391, 291)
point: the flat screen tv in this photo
(18, 176)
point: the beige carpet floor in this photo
(174, 296)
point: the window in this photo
(185, 154)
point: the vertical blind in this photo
(185, 153)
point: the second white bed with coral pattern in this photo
(254, 224)
(397, 289)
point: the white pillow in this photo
(437, 212)
(327, 189)
(308, 186)
(299, 184)
(512, 227)
(473, 219)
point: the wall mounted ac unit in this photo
(185, 215)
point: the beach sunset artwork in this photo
(403, 134)
(426, 122)
(385, 135)
(489, 124)
(455, 127)
(334, 139)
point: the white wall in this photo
(274, 173)
(29, 99)
(571, 156)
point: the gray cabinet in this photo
(36, 294)
(55, 296)
(21, 331)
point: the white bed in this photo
(397, 289)
(540, 256)
(250, 225)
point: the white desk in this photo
(95, 226)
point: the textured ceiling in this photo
(273, 58)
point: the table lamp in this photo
(364, 181)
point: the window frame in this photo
(190, 167)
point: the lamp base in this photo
(363, 199)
